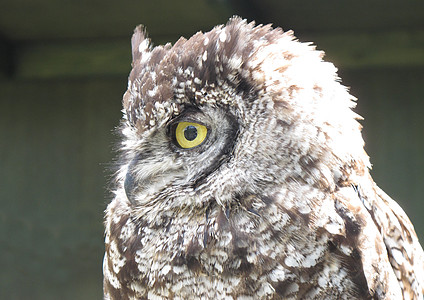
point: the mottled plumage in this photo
(276, 202)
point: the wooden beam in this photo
(373, 50)
(70, 59)
(73, 59)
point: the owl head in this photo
(239, 110)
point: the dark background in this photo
(63, 70)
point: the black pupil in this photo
(190, 132)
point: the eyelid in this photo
(188, 115)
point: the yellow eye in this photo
(189, 135)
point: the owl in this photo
(243, 175)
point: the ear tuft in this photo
(140, 44)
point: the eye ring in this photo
(190, 134)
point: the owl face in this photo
(234, 111)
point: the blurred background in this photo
(63, 70)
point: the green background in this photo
(64, 68)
